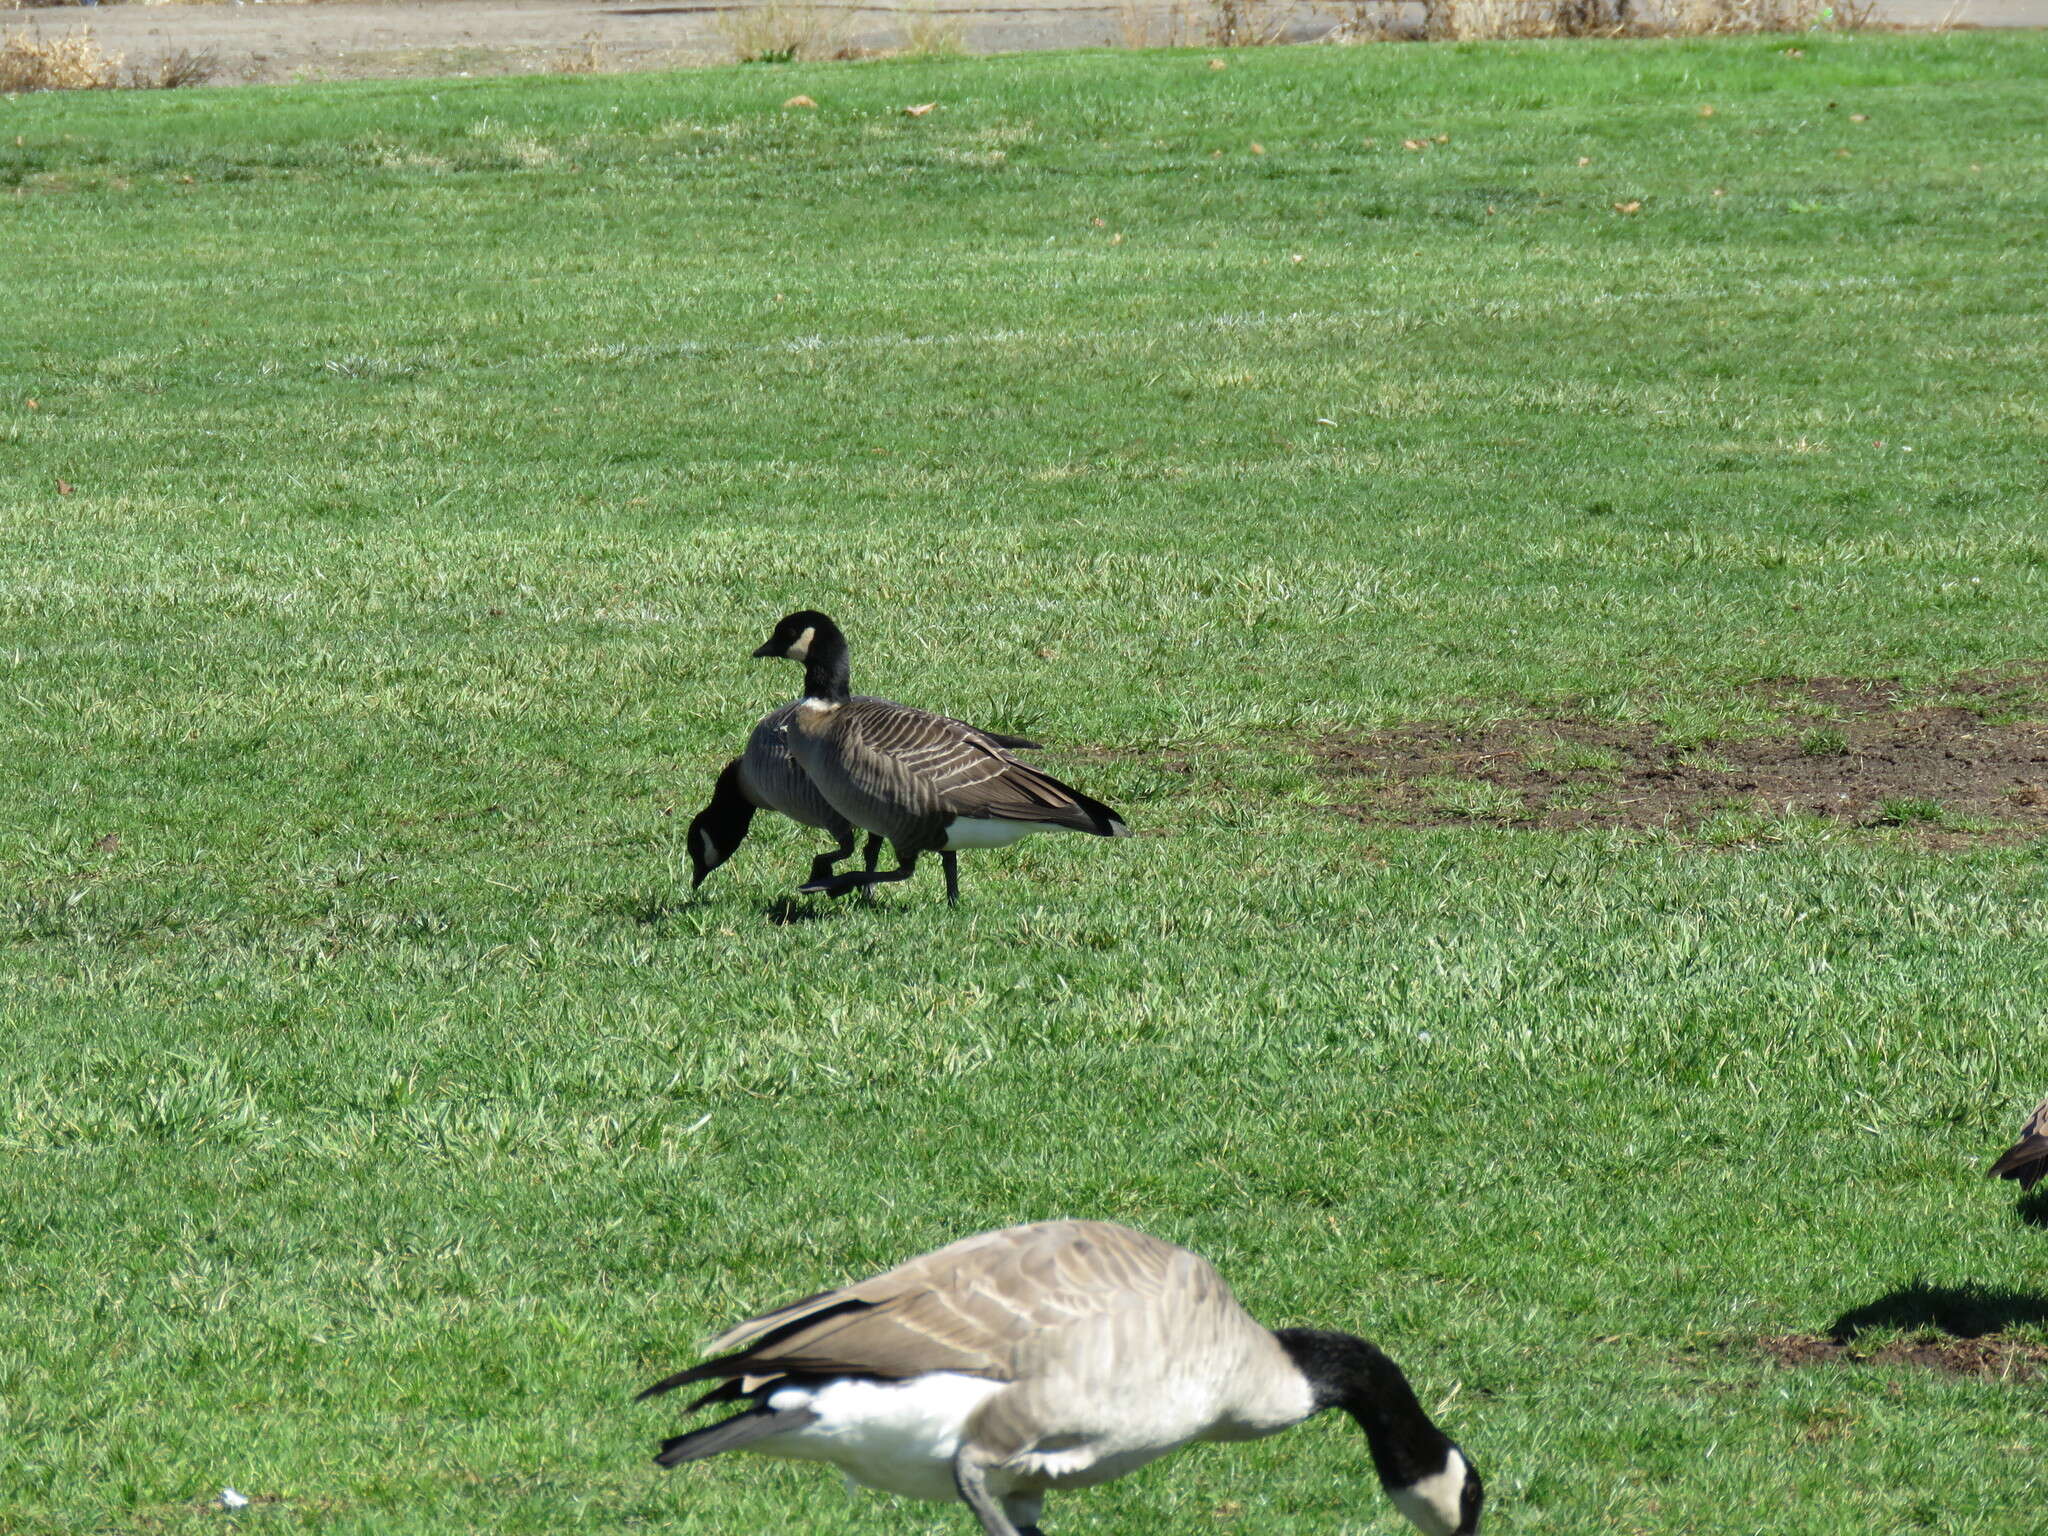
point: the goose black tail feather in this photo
(725, 1392)
(1107, 822)
(730, 1434)
(2027, 1161)
(735, 1363)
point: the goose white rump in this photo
(898, 1436)
(989, 832)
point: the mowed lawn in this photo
(379, 1110)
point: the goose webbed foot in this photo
(839, 885)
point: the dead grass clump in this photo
(1472, 20)
(784, 31)
(1248, 23)
(589, 57)
(930, 34)
(74, 62)
(174, 71)
(1152, 26)
(1721, 17)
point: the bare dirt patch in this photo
(1967, 763)
(1991, 1358)
(381, 39)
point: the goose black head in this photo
(1422, 1469)
(811, 638)
(721, 826)
(797, 635)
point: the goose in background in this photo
(923, 781)
(1052, 1356)
(2026, 1160)
(764, 777)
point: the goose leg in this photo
(1023, 1510)
(873, 857)
(838, 885)
(821, 866)
(971, 1478)
(950, 862)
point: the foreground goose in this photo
(2026, 1159)
(921, 780)
(765, 778)
(1057, 1355)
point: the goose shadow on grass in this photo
(1960, 1311)
(784, 910)
(2033, 1209)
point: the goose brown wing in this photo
(774, 781)
(974, 1307)
(2026, 1159)
(948, 769)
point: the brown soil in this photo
(1957, 770)
(259, 43)
(359, 39)
(1991, 1358)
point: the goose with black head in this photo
(925, 782)
(1046, 1357)
(765, 777)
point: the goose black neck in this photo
(729, 802)
(827, 674)
(1349, 1373)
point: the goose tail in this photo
(2026, 1161)
(730, 1434)
(1106, 822)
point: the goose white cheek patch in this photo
(1435, 1504)
(800, 647)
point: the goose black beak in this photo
(767, 648)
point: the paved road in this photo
(351, 39)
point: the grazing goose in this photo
(764, 777)
(921, 780)
(2026, 1159)
(1057, 1355)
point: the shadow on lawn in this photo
(1961, 1311)
(2033, 1209)
(784, 910)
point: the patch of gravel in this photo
(1957, 769)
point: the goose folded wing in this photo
(958, 771)
(970, 1307)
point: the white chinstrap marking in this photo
(1434, 1504)
(800, 647)
(898, 1436)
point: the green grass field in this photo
(379, 1111)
